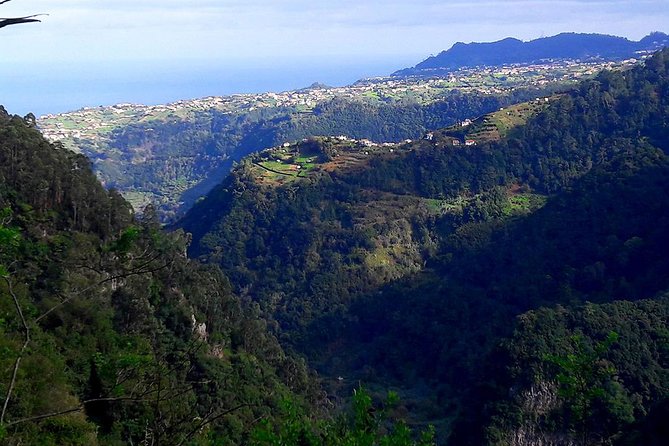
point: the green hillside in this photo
(109, 334)
(504, 281)
(171, 155)
(410, 267)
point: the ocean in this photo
(42, 88)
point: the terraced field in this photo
(494, 126)
(281, 165)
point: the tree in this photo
(17, 20)
(365, 424)
(581, 377)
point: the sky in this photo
(265, 44)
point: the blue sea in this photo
(41, 88)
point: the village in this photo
(93, 123)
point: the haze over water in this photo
(79, 55)
(43, 88)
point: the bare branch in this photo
(18, 20)
(17, 363)
(73, 409)
(142, 269)
(209, 420)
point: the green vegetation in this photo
(512, 292)
(593, 370)
(176, 153)
(109, 334)
(497, 125)
(410, 268)
(309, 157)
(523, 204)
(366, 425)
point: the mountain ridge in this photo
(514, 51)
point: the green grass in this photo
(279, 167)
(304, 160)
(72, 125)
(371, 95)
(138, 200)
(434, 204)
(498, 124)
(523, 204)
(378, 258)
(302, 108)
(441, 206)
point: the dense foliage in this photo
(178, 160)
(593, 369)
(108, 333)
(364, 425)
(335, 258)
(514, 291)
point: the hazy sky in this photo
(94, 52)
(219, 29)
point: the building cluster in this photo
(96, 122)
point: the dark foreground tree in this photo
(17, 20)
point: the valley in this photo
(172, 154)
(411, 265)
(95, 123)
(462, 256)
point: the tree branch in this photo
(73, 409)
(18, 20)
(124, 275)
(210, 420)
(17, 363)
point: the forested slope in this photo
(411, 268)
(109, 334)
(176, 161)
